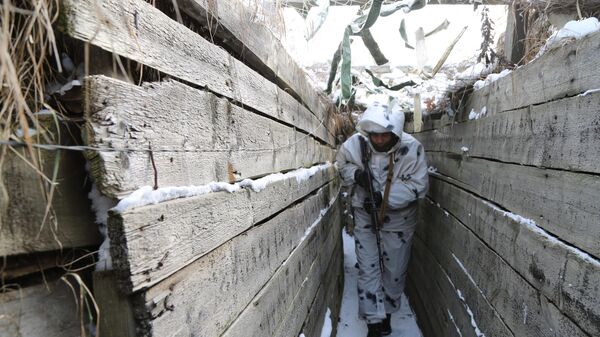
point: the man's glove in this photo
(373, 205)
(362, 179)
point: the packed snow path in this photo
(404, 322)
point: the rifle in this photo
(366, 157)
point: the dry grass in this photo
(27, 48)
(584, 8)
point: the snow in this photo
(146, 195)
(532, 225)
(100, 206)
(591, 91)
(403, 322)
(467, 273)
(454, 322)
(573, 30)
(476, 115)
(327, 326)
(20, 133)
(491, 78)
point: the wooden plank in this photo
(439, 295)
(23, 205)
(192, 299)
(214, 141)
(562, 273)
(140, 32)
(558, 134)
(563, 203)
(39, 311)
(559, 73)
(298, 310)
(329, 295)
(116, 311)
(524, 310)
(419, 307)
(271, 311)
(152, 242)
(234, 22)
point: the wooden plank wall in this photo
(258, 263)
(507, 242)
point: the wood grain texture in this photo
(444, 312)
(70, 222)
(152, 242)
(560, 272)
(196, 136)
(524, 310)
(192, 300)
(235, 22)
(329, 295)
(116, 311)
(563, 203)
(560, 134)
(138, 31)
(280, 308)
(39, 311)
(561, 72)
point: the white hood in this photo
(380, 118)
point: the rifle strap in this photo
(388, 184)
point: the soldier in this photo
(384, 203)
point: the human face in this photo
(380, 140)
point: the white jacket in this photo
(409, 180)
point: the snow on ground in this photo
(403, 322)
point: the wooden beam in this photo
(47, 310)
(116, 310)
(560, 272)
(522, 308)
(192, 301)
(233, 21)
(140, 32)
(152, 242)
(554, 135)
(280, 308)
(561, 202)
(329, 295)
(542, 80)
(69, 223)
(444, 310)
(214, 140)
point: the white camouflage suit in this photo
(409, 183)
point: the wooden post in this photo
(116, 313)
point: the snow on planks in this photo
(438, 296)
(214, 140)
(191, 299)
(275, 310)
(155, 241)
(558, 134)
(563, 203)
(559, 272)
(522, 308)
(562, 72)
(140, 32)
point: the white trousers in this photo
(379, 294)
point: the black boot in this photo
(374, 330)
(386, 327)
